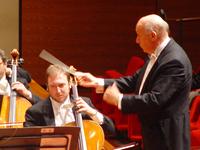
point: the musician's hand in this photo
(87, 79)
(8, 72)
(82, 106)
(21, 89)
(111, 95)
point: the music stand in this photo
(39, 138)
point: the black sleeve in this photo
(21, 73)
(34, 99)
(33, 116)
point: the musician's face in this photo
(145, 39)
(58, 87)
(2, 68)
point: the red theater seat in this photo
(195, 123)
(133, 65)
(195, 139)
(134, 128)
(121, 120)
(195, 114)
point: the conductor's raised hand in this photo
(87, 79)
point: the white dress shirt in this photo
(62, 114)
(4, 86)
(153, 57)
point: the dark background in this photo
(96, 35)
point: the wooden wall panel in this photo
(93, 35)
(184, 19)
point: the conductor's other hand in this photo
(111, 95)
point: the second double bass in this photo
(13, 108)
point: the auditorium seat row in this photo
(122, 122)
(127, 122)
(195, 123)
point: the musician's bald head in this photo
(151, 31)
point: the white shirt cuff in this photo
(100, 87)
(98, 117)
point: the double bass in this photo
(13, 107)
(91, 136)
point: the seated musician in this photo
(21, 86)
(57, 110)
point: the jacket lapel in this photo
(48, 113)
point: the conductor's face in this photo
(58, 87)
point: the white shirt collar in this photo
(62, 113)
(57, 106)
(3, 78)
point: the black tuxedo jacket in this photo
(41, 114)
(162, 105)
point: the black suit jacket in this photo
(22, 76)
(162, 105)
(41, 114)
